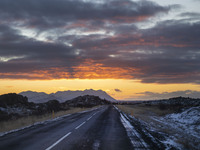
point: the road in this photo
(99, 129)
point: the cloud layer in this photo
(48, 39)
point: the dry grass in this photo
(143, 111)
(30, 120)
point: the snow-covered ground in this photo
(190, 116)
(184, 126)
(173, 131)
(143, 137)
(134, 136)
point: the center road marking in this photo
(85, 121)
(80, 125)
(89, 118)
(62, 138)
(95, 113)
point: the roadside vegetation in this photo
(177, 118)
(143, 111)
(30, 120)
(17, 112)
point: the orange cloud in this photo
(87, 70)
(92, 70)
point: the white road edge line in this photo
(50, 147)
(80, 125)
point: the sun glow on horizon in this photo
(129, 89)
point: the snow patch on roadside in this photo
(168, 142)
(116, 108)
(189, 116)
(187, 121)
(96, 145)
(183, 126)
(158, 138)
(133, 135)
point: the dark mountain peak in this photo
(87, 101)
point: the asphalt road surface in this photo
(99, 129)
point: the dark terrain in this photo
(153, 125)
(97, 129)
(176, 104)
(13, 106)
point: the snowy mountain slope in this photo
(62, 96)
(37, 97)
(66, 95)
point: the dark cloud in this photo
(190, 14)
(19, 54)
(47, 39)
(51, 13)
(118, 90)
(166, 53)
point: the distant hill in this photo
(12, 99)
(177, 104)
(183, 101)
(62, 96)
(86, 101)
(13, 105)
(37, 97)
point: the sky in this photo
(131, 49)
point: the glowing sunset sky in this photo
(130, 49)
